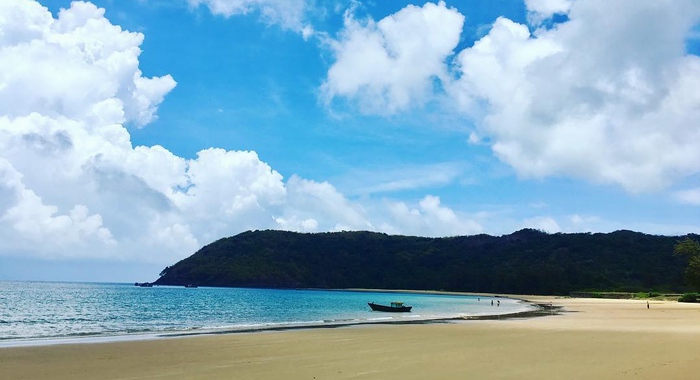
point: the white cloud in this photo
(542, 223)
(325, 204)
(398, 178)
(67, 86)
(589, 223)
(287, 13)
(577, 219)
(689, 196)
(548, 7)
(28, 219)
(539, 205)
(606, 96)
(72, 185)
(428, 218)
(390, 65)
(539, 10)
(78, 61)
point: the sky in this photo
(134, 132)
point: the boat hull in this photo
(389, 309)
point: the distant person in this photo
(647, 304)
(478, 299)
(491, 302)
(499, 303)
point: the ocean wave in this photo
(41, 311)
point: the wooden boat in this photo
(396, 307)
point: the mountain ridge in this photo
(524, 262)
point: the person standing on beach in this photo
(647, 304)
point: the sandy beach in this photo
(590, 339)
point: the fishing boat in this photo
(395, 307)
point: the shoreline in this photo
(158, 335)
(589, 339)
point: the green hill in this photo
(525, 262)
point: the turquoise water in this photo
(50, 311)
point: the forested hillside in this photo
(525, 262)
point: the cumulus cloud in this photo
(27, 218)
(390, 65)
(428, 218)
(605, 94)
(322, 202)
(540, 10)
(72, 185)
(287, 13)
(85, 66)
(67, 86)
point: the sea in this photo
(43, 313)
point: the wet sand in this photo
(590, 339)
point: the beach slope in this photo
(590, 339)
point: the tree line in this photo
(524, 262)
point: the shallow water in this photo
(44, 311)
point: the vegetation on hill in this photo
(690, 250)
(525, 262)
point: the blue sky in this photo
(134, 132)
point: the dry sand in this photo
(592, 339)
